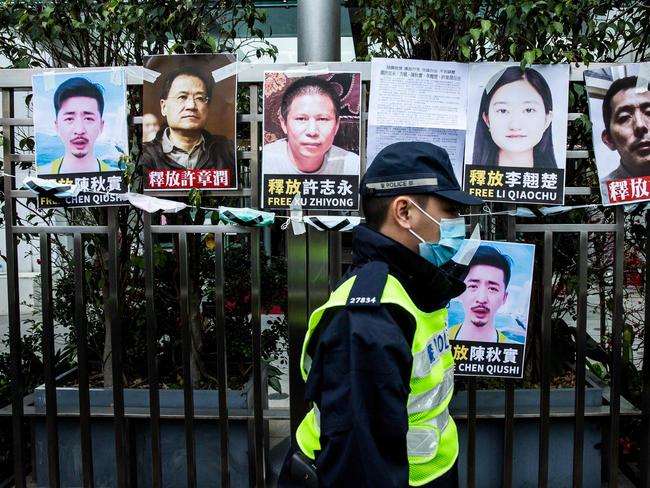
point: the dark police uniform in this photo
(374, 423)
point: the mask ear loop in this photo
(486, 210)
(417, 236)
(424, 212)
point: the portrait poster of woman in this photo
(515, 149)
(311, 139)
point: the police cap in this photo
(408, 168)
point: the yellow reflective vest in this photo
(432, 438)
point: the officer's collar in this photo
(430, 287)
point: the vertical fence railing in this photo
(509, 408)
(152, 363)
(48, 362)
(314, 263)
(82, 355)
(222, 365)
(186, 338)
(645, 419)
(581, 339)
(617, 337)
(13, 298)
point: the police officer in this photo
(376, 358)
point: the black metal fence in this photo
(314, 265)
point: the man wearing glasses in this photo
(182, 142)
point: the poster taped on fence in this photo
(489, 321)
(415, 100)
(619, 109)
(80, 134)
(312, 130)
(189, 122)
(515, 148)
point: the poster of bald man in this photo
(80, 134)
(189, 122)
(619, 109)
(489, 321)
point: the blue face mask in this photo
(452, 235)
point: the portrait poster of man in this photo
(619, 109)
(489, 321)
(311, 139)
(80, 134)
(515, 150)
(418, 100)
(189, 122)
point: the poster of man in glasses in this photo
(189, 122)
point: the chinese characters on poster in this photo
(80, 134)
(515, 148)
(415, 100)
(189, 122)
(488, 322)
(311, 139)
(619, 109)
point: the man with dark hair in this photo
(182, 142)
(487, 290)
(79, 109)
(309, 117)
(377, 360)
(626, 114)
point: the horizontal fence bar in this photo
(244, 192)
(577, 154)
(200, 413)
(61, 229)
(31, 157)
(283, 413)
(199, 229)
(565, 227)
(137, 119)
(247, 72)
(580, 190)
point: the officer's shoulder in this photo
(368, 285)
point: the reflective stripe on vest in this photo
(428, 357)
(317, 418)
(429, 400)
(423, 441)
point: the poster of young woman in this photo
(619, 109)
(80, 134)
(312, 131)
(515, 150)
(488, 322)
